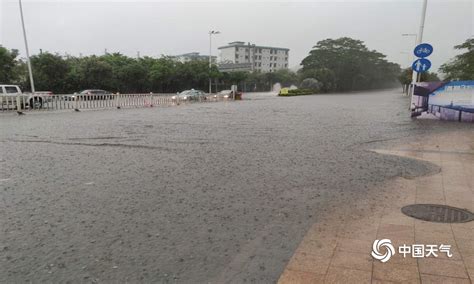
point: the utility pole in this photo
(30, 72)
(210, 57)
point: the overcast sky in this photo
(157, 27)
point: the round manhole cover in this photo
(438, 213)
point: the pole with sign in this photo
(420, 65)
(419, 41)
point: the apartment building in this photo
(193, 56)
(257, 58)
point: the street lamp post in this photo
(26, 47)
(210, 58)
(409, 57)
(414, 75)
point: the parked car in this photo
(9, 93)
(190, 95)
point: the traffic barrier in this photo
(77, 102)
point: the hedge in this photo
(297, 92)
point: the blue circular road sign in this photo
(421, 65)
(423, 50)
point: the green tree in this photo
(95, 73)
(161, 74)
(49, 72)
(134, 78)
(310, 83)
(346, 64)
(8, 73)
(405, 76)
(326, 78)
(462, 66)
(285, 77)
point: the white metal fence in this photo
(24, 102)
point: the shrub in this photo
(310, 83)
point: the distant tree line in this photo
(119, 73)
(333, 65)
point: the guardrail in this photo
(24, 102)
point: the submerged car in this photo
(96, 94)
(224, 94)
(190, 95)
(89, 95)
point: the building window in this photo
(246, 57)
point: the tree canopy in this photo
(346, 64)
(8, 64)
(462, 66)
(119, 73)
(406, 76)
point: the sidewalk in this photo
(338, 250)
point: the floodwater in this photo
(212, 192)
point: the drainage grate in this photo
(438, 213)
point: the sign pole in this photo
(419, 41)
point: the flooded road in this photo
(218, 192)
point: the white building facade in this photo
(257, 58)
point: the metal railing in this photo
(27, 102)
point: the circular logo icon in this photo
(384, 245)
(421, 65)
(423, 50)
